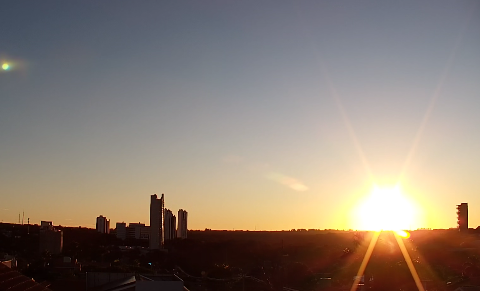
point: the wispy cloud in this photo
(293, 183)
(265, 170)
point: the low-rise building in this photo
(46, 225)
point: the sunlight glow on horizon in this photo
(366, 259)
(249, 117)
(386, 209)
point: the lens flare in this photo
(403, 233)
(5, 66)
(386, 209)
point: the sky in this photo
(251, 115)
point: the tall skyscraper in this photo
(182, 224)
(103, 225)
(170, 225)
(157, 234)
(462, 217)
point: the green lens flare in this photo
(6, 67)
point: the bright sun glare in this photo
(386, 209)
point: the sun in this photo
(385, 209)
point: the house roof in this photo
(468, 288)
(11, 280)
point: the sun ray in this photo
(436, 94)
(409, 262)
(346, 121)
(426, 266)
(338, 102)
(365, 260)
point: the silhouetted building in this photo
(462, 217)
(50, 240)
(182, 224)
(138, 231)
(121, 229)
(156, 222)
(170, 225)
(103, 225)
(46, 225)
(142, 232)
(131, 229)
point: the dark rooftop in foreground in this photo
(11, 280)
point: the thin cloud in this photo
(288, 181)
(264, 169)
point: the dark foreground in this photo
(243, 260)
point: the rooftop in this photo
(12, 280)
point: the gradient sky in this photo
(250, 115)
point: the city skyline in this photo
(171, 231)
(266, 116)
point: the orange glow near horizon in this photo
(386, 209)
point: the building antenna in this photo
(19, 218)
(23, 216)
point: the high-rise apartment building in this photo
(103, 225)
(182, 224)
(50, 239)
(156, 222)
(170, 225)
(462, 217)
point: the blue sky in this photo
(271, 115)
